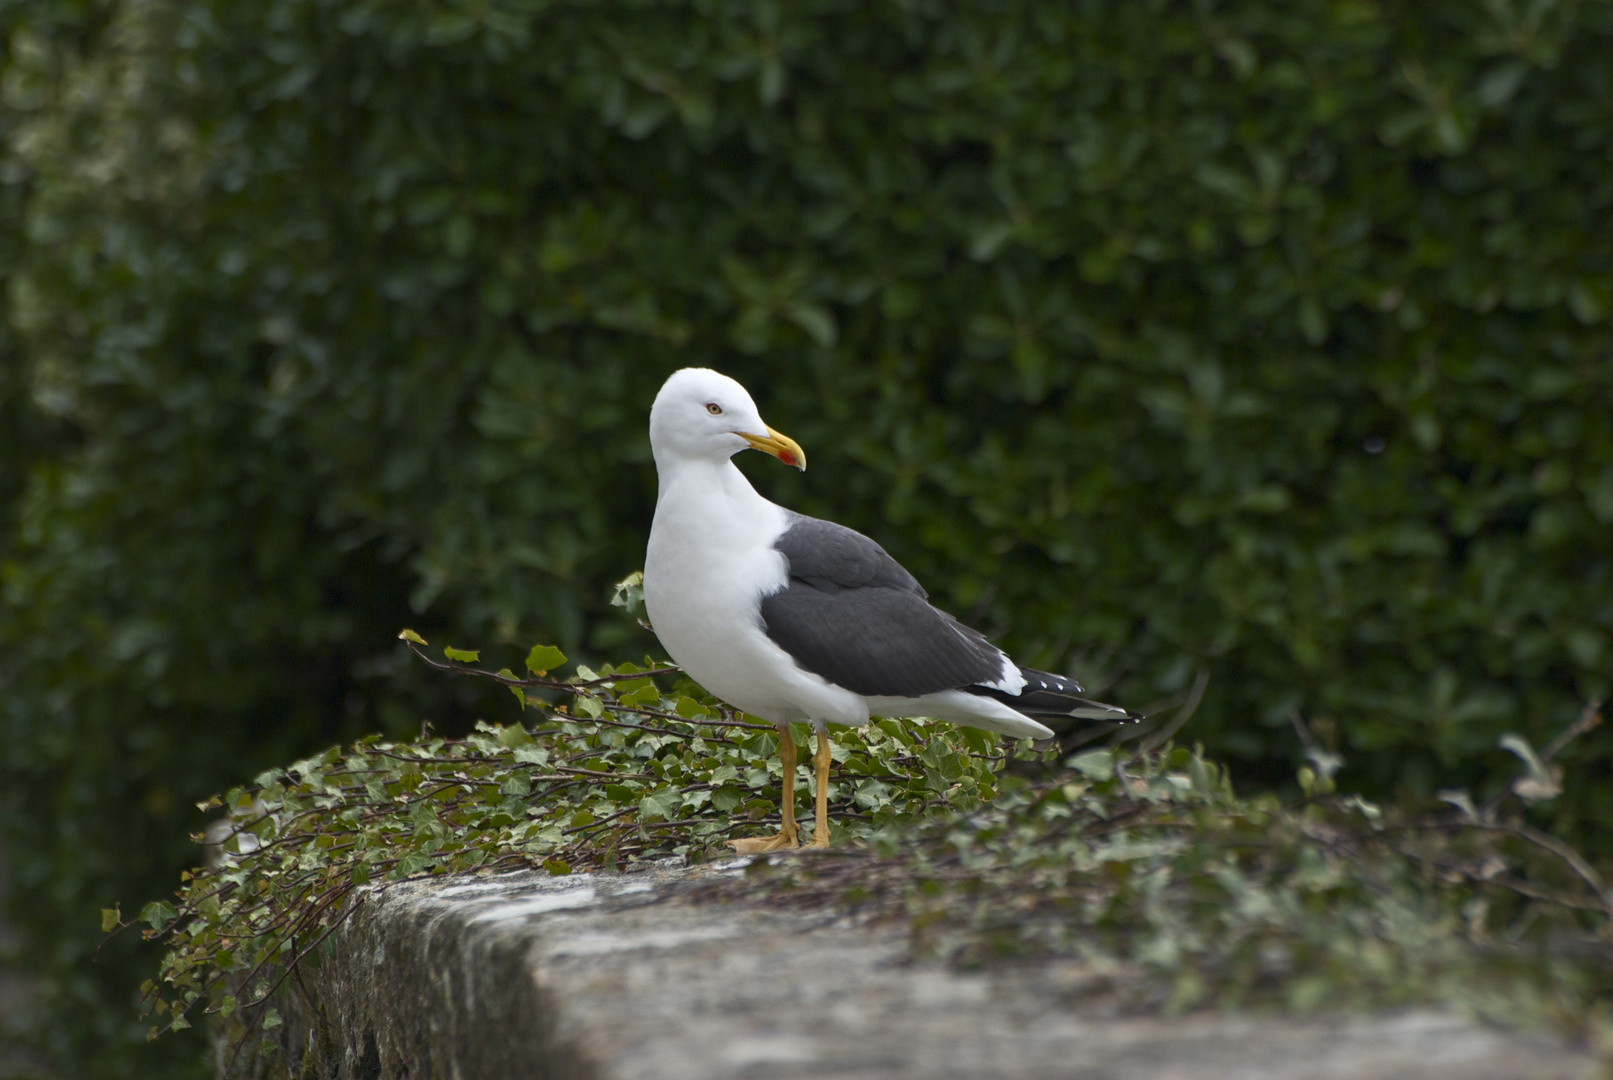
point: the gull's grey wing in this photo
(851, 614)
(832, 557)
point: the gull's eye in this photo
(713, 408)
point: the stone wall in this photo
(622, 976)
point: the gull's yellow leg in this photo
(786, 838)
(820, 762)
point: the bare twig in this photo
(1590, 717)
(1191, 706)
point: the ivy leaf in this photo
(544, 659)
(157, 914)
(649, 695)
(629, 593)
(977, 740)
(943, 759)
(464, 656)
(531, 755)
(512, 736)
(410, 635)
(662, 804)
(112, 918)
(689, 708)
(520, 695)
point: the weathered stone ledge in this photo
(614, 976)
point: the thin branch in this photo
(1191, 706)
(1590, 717)
(1573, 858)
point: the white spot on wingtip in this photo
(1012, 680)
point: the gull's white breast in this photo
(710, 562)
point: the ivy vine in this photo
(1143, 862)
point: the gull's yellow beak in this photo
(780, 446)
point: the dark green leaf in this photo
(157, 914)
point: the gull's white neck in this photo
(698, 493)
(709, 520)
(704, 477)
(710, 561)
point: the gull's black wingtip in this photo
(1047, 696)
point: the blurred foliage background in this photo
(1266, 340)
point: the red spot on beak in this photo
(787, 457)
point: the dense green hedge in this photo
(1268, 340)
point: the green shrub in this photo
(1156, 338)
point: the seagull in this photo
(795, 619)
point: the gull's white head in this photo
(702, 414)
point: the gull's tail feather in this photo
(1047, 696)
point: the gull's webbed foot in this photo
(783, 840)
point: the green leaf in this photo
(532, 755)
(410, 635)
(816, 320)
(649, 695)
(157, 914)
(464, 656)
(520, 694)
(544, 659)
(112, 918)
(628, 593)
(689, 708)
(557, 867)
(1098, 764)
(943, 759)
(512, 736)
(977, 740)
(661, 804)
(271, 1019)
